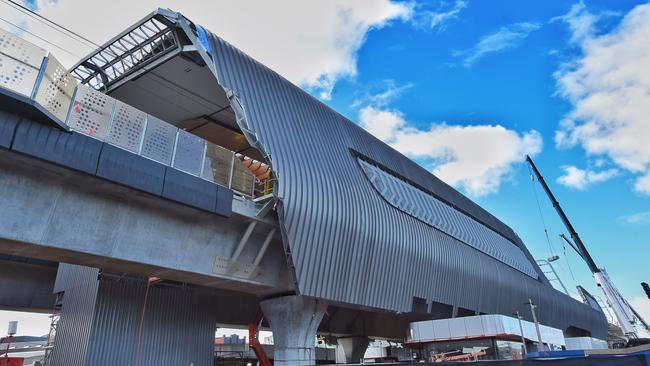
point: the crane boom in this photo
(625, 314)
(565, 220)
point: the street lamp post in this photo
(539, 334)
(12, 329)
(521, 330)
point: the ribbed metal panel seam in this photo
(77, 314)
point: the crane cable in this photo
(539, 208)
(52, 24)
(39, 37)
(566, 260)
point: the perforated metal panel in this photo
(159, 140)
(127, 127)
(20, 62)
(91, 112)
(216, 165)
(56, 89)
(17, 77)
(189, 153)
(21, 50)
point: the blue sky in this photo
(516, 87)
(465, 88)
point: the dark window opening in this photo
(462, 312)
(419, 305)
(441, 311)
(576, 332)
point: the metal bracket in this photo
(243, 241)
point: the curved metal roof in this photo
(345, 241)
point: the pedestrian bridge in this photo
(91, 180)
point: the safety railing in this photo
(31, 74)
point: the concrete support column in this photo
(353, 347)
(294, 321)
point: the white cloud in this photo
(580, 21)
(313, 44)
(389, 91)
(642, 184)
(637, 218)
(577, 178)
(506, 37)
(440, 18)
(475, 158)
(383, 124)
(608, 86)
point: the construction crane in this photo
(254, 342)
(627, 317)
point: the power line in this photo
(39, 37)
(52, 24)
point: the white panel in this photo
(585, 343)
(20, 62)
(127, 127)
(457, 328)
(491, 325)
(91, 112)
(425, 330)
(474, 326)
(552, 335)
(21, 50)
(482, 326)
(529, 331)
(56, 89)
(16, 76)
(510, 325)
(413, 334)
(441, 329)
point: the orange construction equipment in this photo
(443, 357)
(254, 342)
(12, 361)
(260, 170)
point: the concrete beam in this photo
(54, 213)
(294, 321)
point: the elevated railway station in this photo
(179, 184)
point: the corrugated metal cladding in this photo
(99, 324)
(347, 243)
